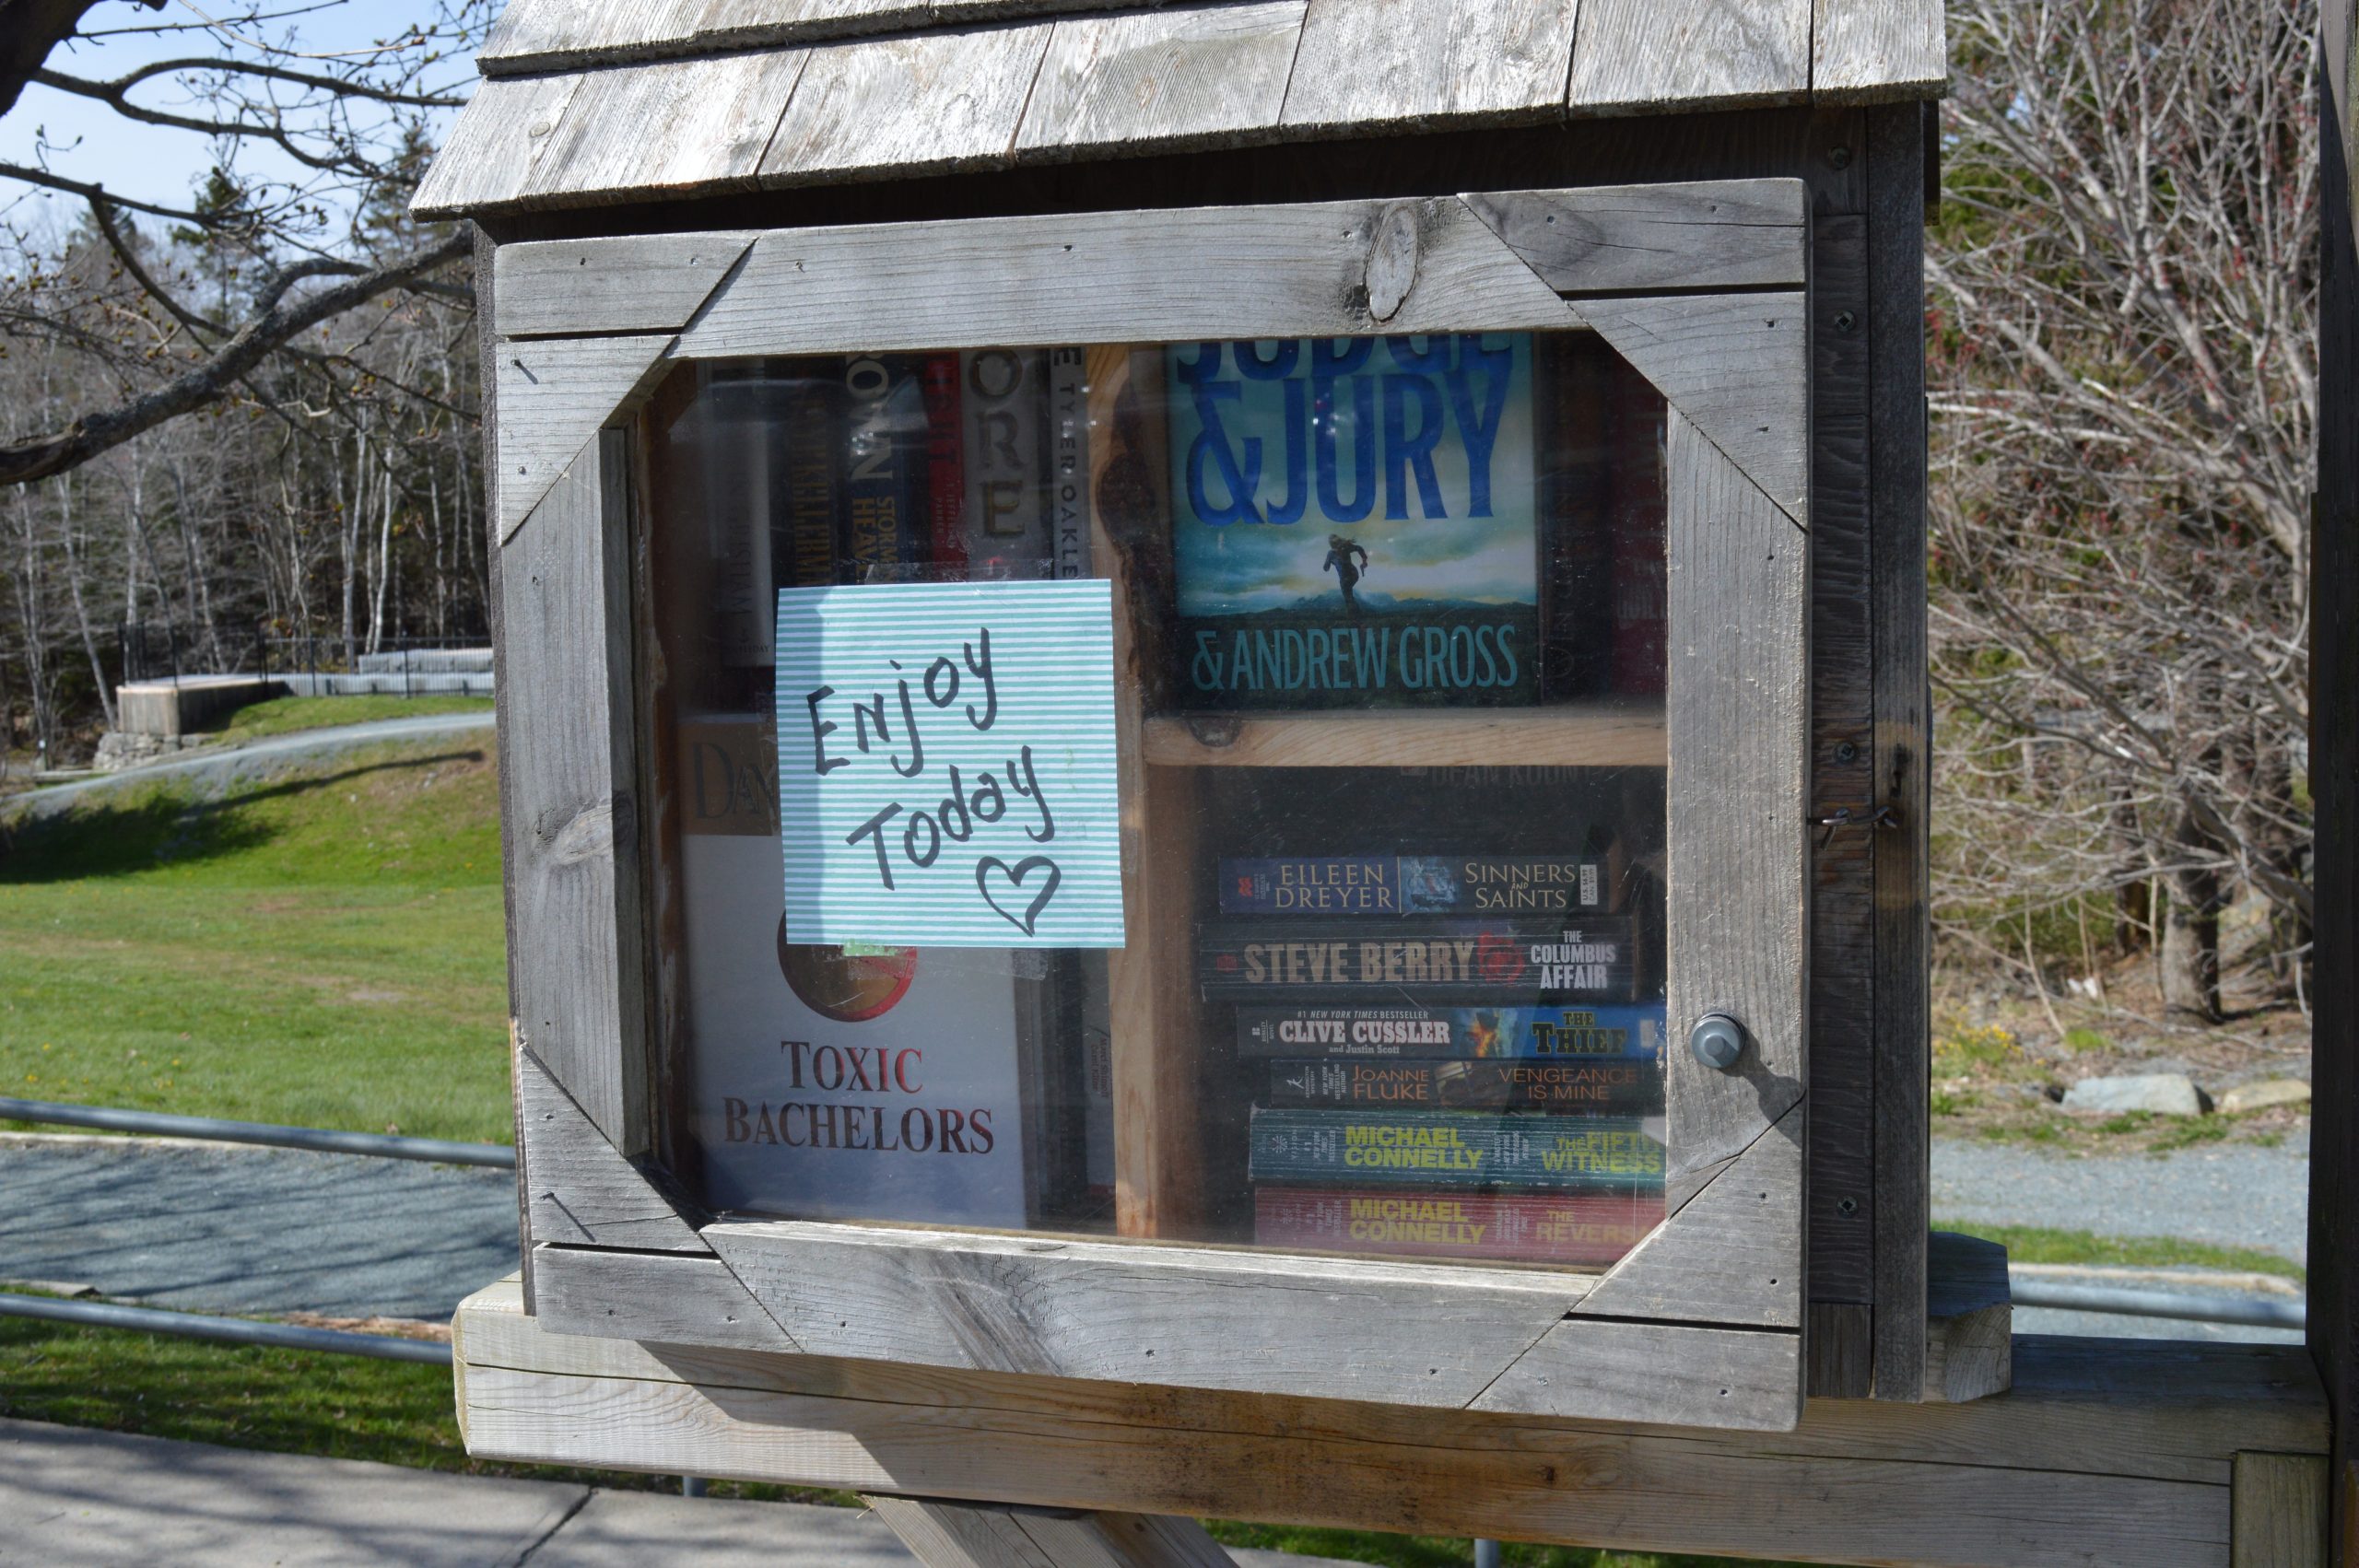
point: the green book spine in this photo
(1455, 1149)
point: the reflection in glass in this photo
(1392, 638)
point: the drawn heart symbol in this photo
(1016, 877)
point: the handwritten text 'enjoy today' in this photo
(892, 725)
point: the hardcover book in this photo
(1006, 394)
(1414, 885)
(886, 496)
(1454, 1149)
(945, 485)
(767, 435)
(1354, 522)
(830, 1083)
(1497, 961)
(1619, 1087)
(1587, 1228)
(1069, 461)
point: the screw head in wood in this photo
(1717, 1040)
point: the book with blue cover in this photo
(1586, 1031)
(1355, 521)
(1414, 885)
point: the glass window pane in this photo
(1391, 644)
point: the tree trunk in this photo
(2133, 888)
(81, 610)
(2191, 929)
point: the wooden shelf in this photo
(1621, 735)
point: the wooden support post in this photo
(980, 1535)
(2334, 778)
(2277, 1511)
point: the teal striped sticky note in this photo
(947, 764)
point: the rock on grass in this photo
(2162, 1094)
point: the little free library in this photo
(1214, 736)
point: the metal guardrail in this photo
(227, 1330)
(2251, 1312)
(383, 1145)
(2182, 1307)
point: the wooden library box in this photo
(1223, 697)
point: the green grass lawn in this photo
(2030, 1244)
(285, 715)
(324, 950)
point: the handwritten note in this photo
(946, 765)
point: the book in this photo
(1498, 961)
(1005, 393)
(945, 485)
(840, 1085)
(1453, 1149)
(1354, 522)
(830, 1083)
(1620, 1087)
(740, 417)
(884, 493)
(1593, 1031)
(815, 453)
(1529, 1227)
(1414, 885)
(1069, 461)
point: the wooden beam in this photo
(635, 283)
(2278, 1511)
(1644, 239)
(943, 1534)
(1969, 1319)
(689, 1298)
(582, 1191)
(2105, 1452)
(569, 812)
(1737, 366)
(1731, 1255)
(555, 395)
(1902, 746)
(1407, 1333)
(1171, 277)
(1737, 906)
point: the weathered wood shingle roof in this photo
(590, 101)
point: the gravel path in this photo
(2230, 1196)
(213, 1229)
(257, 759)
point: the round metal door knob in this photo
(1717, 1040)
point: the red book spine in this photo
(1586, 1229)
(945, 474)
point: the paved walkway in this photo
(78, 1499)
(219, 1228)
(2240, 1196)
(255, 759)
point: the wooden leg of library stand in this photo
(943, 1534)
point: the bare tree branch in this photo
(279, 319)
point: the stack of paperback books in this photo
(1457, 1066)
